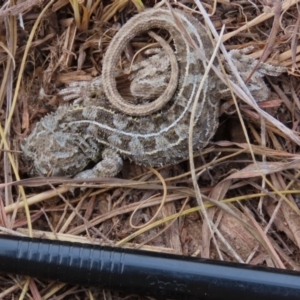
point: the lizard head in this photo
(53, 148)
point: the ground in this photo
(250, 168)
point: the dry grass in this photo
(248, 177)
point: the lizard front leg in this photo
(110, 165)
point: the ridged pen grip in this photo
(159, 275)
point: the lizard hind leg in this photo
(110, 165)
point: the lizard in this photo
(102, 127)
